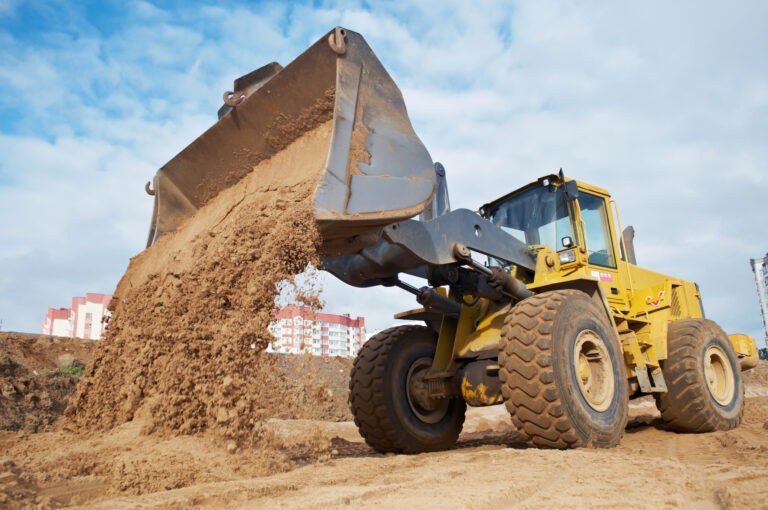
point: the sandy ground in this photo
(323, 464)
(651, 469)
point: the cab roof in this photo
(555, 179)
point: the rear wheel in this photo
(389, 399)
(704, 388)
(562, 372)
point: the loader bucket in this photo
(376, 170)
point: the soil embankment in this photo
(37, 375)
(55, 466)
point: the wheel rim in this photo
(719, 375)
(594, 370)
(426, 409)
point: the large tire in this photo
(693, 401)
(562, 372)
(389, 417)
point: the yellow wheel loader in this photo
(534, 302)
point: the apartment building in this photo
(84, 319)
(760, 269)
(297, 329)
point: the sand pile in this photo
(190, 315)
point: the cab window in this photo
(537, 215)
(597, 231)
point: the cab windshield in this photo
(538, 215)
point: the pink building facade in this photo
(297, 329)
(84, 319)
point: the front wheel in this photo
(389, 399)
(562, 372)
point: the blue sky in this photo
(664, 104)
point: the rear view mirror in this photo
(571, 190)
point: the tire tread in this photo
(367, 397)
(687, 405)
(525, 362)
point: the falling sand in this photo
(191, 314)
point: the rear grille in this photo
(676, 302)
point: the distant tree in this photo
(764, 353)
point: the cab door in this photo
(602, 260)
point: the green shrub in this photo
(77, 370)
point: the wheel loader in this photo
(535, 301)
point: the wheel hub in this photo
(426, 408)
(594, 371)
(719, 375)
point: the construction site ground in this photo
(326, 464)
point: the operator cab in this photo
(568, 217)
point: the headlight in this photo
(567, 257)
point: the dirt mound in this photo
(314, 388)
(757, 376)
(59, 468)
(33, 394)
(40, 352)
(756, 380)
(190, 315)
(29, 401)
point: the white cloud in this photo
(659, 109)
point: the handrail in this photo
(623, 246)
